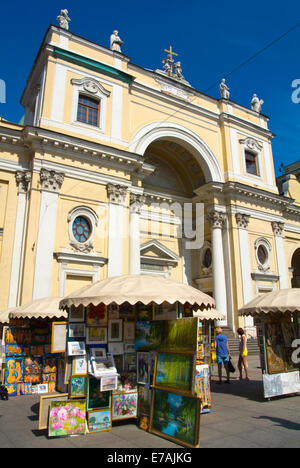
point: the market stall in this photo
(4, 320)
(131, 354)
(206, 354)
(31, 365)
(277, 318)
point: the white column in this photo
(217, 221)
(22, 178)
(242, 224)
(117, 194)
(51, 182)
(186, 262)
(281, 265)
(136, 203)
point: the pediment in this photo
(155, 250)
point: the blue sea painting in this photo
(148, 335)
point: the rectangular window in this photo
(251, 163)
(88, 110)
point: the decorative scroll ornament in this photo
(242, 220)
(116, 193)
(278, 228)
(136, 202)
(216, 219)
(23, 178)
(51, 180)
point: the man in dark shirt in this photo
(223, 354)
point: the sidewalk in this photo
(240, 418)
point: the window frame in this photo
(248, 153)
(88, 108)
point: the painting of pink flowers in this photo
(124, 406)
(67, 418)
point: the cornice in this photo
(38, 139)
(249, 126)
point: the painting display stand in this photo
(133, 362)
(276, 334)
(30, 364)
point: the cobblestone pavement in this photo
(240, 417)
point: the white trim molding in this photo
(92, 219)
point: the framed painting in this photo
(109, 383)
(14, 370)
(67, 418)
(129, 331)
(126, 310)
(175, 371)
(144, 312)
(78, 386)
(124, 406)
(95, 398)
(165, 311)
(275, 359)
(129, 347)
(96, 335)
(144, 400)
(98, 352)
(130, 362)
(45, 402)
(76, 348)
(96, 315)
(103, 366)
(42, 388)
(176, 417)
(14, 350)
(115, 330)
(58, 338)
(143, 367)
(116, 348)
(180, 335)
(99, 420)
(113, 311)
(148, 335)
(76, 330)
(76, 314)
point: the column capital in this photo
(242, 220)
(116, 193)
(51, 180)
(136, 202)
(278, 228)
(216, 219)
(23, 178)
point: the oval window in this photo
(81, 229)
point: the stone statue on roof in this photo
(116, 42)
(224, 90)
(256, 104)
(63, 19)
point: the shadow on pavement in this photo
(251, 390)
(281, 422)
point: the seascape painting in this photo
(175, 371)
(176, 417)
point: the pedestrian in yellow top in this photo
(243, 354)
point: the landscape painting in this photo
(180, 335)
(176, 417)
(148, 335)
(175, 371)
(99, 421)
(95, 398)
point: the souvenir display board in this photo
(30, 365)
(118, 357)
(276, 334)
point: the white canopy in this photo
(137, 288)
(209, 314)
(47, 307)
(282, 301)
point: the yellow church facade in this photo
(118, 169)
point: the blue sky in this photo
(211, 38)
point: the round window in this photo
(81, 229)
(262, 255)
(207, 258)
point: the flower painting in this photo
(78, 387)
(124, 406)
(67, 418)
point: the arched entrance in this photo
(296, 269)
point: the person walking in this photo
(243, 354)
(223, 354)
